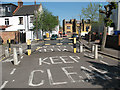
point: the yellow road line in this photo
(47, 44)
(59, 44)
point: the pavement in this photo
(58, 67)
(107, 51)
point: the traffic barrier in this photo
(9, 43)
(6, 52)
(20, 51)
(96, 52)
(28, 47)
(74, 45)
(15, 57)
(59, 41)
(81, 48)
(93, 48)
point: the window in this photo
(31, 19)
(68, 27)
(21, 20)
(9, 9)
(68, 31)
(6, 21)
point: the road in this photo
(58, 67)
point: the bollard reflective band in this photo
(28, 46)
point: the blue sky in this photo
(65, 10)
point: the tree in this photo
(91, 12)
(107, 20)
(45, 21)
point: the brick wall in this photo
(13, 35)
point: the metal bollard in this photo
(9, 42)
(15, 57)
(20, 51)
(6, 52)
(81, 48)
(93, 48)
(74, 44)
(29, 47)
(96, 52)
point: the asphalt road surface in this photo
(58, 67)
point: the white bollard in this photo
(96, 52)
(6, 52)
(93, 48)
(15, 57)
(20, 51)
(81, 48)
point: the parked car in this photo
(1, 41)
(54, 37)
(75, 35)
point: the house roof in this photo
(8, 4)
(26, 10)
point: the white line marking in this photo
(52, 50)
(58, 49)
(8, 60)
(4, 84)
(104, 62)
(12, 72)
(43, 61)
(13, 80)
(53, 59)
(30, 82)
(69, 74)
(21, 57)
(74, 58)
(88, 76)
(51, 79)
(45, 50)
(84, 68)
(98, 70)
(64, 58)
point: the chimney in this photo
(20, 3)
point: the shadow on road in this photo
(108, 76)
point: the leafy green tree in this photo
(45, 21)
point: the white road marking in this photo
(39, 50)
(74, 58)
(52, 50)
(4, 84)
(12, 72)
(69, 74)
(84, 68)
(58, 49)
(51, 79)
(21, 57)
(45, 50)
(13, 80)
(87, 75)
(8, 60)
(104, 62)
(30, 82)
(63, 58)
(103, 72)
(65, 49)
(53, 59)
(43, 61)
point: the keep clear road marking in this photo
(51, 79)
(4, 84)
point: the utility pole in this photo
(80, 28)
(36, 19)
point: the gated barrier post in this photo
(81, 48)
(9, 43)
(6, 52)
(28, 47)
(15, 57)
(93, 48)
(74, 44)
(96, 52)
(20, 51)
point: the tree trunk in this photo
(104, 38)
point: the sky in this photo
(65, 10)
